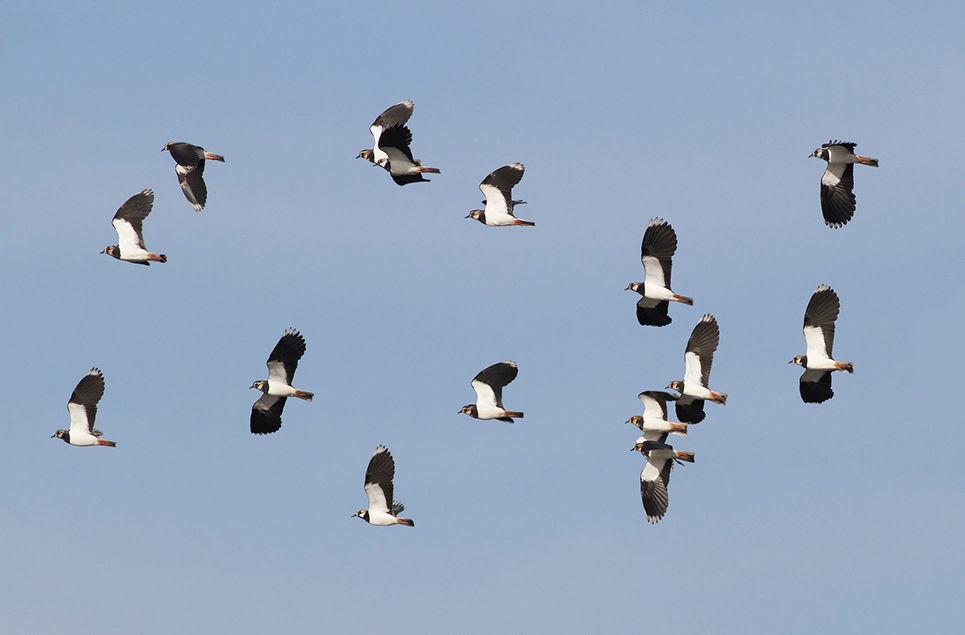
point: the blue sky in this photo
(843, 517)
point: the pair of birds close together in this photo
(129, 219)
(392, 153)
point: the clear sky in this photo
(796, 518)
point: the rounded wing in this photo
(490, 381)
(378, 480)
(83, 402)
(284, 357)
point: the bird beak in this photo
(53, 435)
(355, 515)
(791, 362)
(628, 287)
(468, 215)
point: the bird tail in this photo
(514, 415)
(107, 443)
(524, 222)
(867, 161)
(157, 257)
(213, 157)
(301, 394)
(847, 367)
(684, 456)
(684, 299)
(719, 397)
(406, 521)
(429, 170)
(680, 429)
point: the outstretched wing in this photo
(378, 480)
(284, 357)
(266, 414)
(489, 383)
(83, 402)
(129, 219)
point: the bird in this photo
(488, 385)
(266, 412)
(378, 489)
(130, 238)
(653, 423)
(83, 409)
(498, 190)
(837, 199)
(818, 364)
(391, 150)
(656, 251)
(190, 160)
(656, 476)
(697, 361)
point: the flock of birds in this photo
(391, 152)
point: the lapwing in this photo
(266, 412)
(656, 251)
(837, 199)
(488, 385)
(697, 361)
(391, 150)
(378, 489)
(498, 190)
(654, 423)
(83, 409)
(190, 168)
(130, 237)
(655, 478)
(818, 364)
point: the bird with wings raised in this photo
(266, 412)
(819, 318)
(382, 509)
(697, 361)
(391, 149)
(488, 385)
(837, 182)
(498, 190)
(655, 477)
(128, 222)
(82, 408)
(654, 423)
(190, 169)
(656, 252)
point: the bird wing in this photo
(398, 138)
(656, 251)
(395, 115)
(652, 312)
(689, 410)
(655, 403)
(653, 488)
(128, 219)
(378, 480)
(700, 351)
(192, 184)
(266, 414)
(284, 357)
(489, 383)
(497, 188)
(816, 386)
(186, 154)
(837, 197)
(819, 320)
(83, 402)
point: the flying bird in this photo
(266, 412)
(130, 237)
(697, 361)
(818, 364)
(391, 150)
(656, 251)
(382, 509)
(837, 199)
(83, 409)
(498, 190)
(190, 168)
(654, 423)
(656, 476)
(488, 385)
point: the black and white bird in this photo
(498, 190)
(655, 478)
(382, 509)
(818, 364)
(266, 412)
(488, 385)
(837, 183)
(391, 150)
(697, 361)
(190, 168)
(656, 251)
(130, 237)
(83, 409)
(654, 423)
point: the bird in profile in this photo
(391, 150)
(697, 361)
(83, 409)
(382, 509)
(655, 477)
(266, 412)
(818, 364)
(190, 168)
(488, 385)
(498, 190)
(654, 423)
(656, 251)
(130, 237)
(837, 183)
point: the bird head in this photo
(363, 514)
(112, 250)
(800, 360)
(366, 154)
(261, 385)
(676, 385)
(821, 153)
(60, 434)
(476, 213)
(634, 286)
(470, 410)
(636, 420)
(638, 446)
